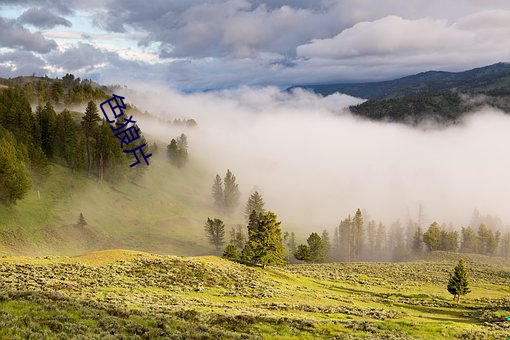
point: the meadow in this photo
(136, 295)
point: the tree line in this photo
(30, 140)
(357, 240)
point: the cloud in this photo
(478, 39)
(15, 36)
(80, 56)
(42, 18)
(21, 62)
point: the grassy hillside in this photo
(139, 295)
(163, 212)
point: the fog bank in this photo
(315, 163)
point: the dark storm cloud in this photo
(16, 36)
(42, 18)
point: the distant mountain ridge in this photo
(492, 79)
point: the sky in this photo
(193, 45)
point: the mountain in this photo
(489, 79)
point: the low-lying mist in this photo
(315, 163)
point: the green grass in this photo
(140, 295)
(163, 212)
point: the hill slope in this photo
(164, 211)
(133, 294)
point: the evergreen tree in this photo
(66, 137)
(253, 224)
(177, 151)
(303, 253)
(89, 123)
(255, 203)
(458, 283)
(215, 231)
(469, 241)
(14, 176)
(316, 247)
(231, 192)
(381, 239)
(266, 241)
(81, 221)
(357, 234)
(231, 253)
(46, 117)
(345, 231)
(432, 237)
(326, 243)
(247, 254)
(371, 238)
(217, 193)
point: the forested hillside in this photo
(443, 97)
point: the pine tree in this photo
(14, 175)
(316, 247)
(432, 237)
(345, 231)
(89, 122)
(177, 151)
(215, 230)
(231, 253)
(357, 234)
(470, 242)
(253, 224)
(266, 241)
(217, 193)
(289, 240)
(247, 254)
(303, 253)
(255, 203)
(326, 243)
(81, 221)
(231, 192)
(458, 283)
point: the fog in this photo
(315, 163)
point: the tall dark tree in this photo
(316, 247)
(458, 283)
(14, 176)
(89, 123)
(215, 231)
(46, 117)
(266, 241)
(303, 253)
(255, 203)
